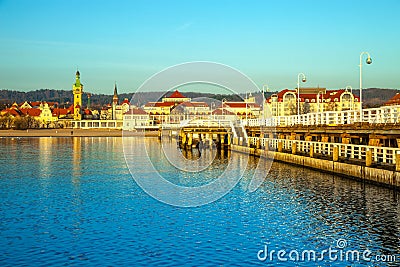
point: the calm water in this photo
(72, 201)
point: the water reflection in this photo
(72, 201)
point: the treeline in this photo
(372, 97)
(19, 123)
(65, 97)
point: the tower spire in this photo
(115, 97)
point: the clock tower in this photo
(77, 90)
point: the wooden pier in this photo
(361, 151)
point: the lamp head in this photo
(369, 60)
(304, 79)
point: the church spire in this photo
(115, 97)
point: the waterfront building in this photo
(77, 90)
(242, 109)
(136, 118)
(46, 116)
(115, 110)
(394, 101)
(166, 105)
(284, 103)
(175, 107)
(44, 113)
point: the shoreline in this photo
(72, 133)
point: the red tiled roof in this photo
(125, 101)
(395, 100)
(61, 111)
(11, 111)
(160, 104)
(331, 94)
(220, 111)
(194, 104)
(176, 94)
(87, 112)
(136, 111)
(34, 112)
(240, 105)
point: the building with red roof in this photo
(284, 103)
(136, 118)
(243, 109)
(394, 101)
(167, 104)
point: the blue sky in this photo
(43, 42)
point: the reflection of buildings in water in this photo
(76, 159)
(342, 205)
(46, 147)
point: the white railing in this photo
(98, 124)
(385, 155)
(382, 115)
(206, 123)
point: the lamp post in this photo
(223, 104)
(263, 99)
(212, 110)
(247, 97)
(368, 61)
(298, 91)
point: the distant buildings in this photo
(241, 109)
(177, 107)
(395, 100)
(284, 103)
(176, 103)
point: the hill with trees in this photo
(372, 97)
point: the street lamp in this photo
(368, 61)
(212, 110)
(223, 104)
(298, 91)
(263, 99)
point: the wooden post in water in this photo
(190, 140)
(398, 162)
(335, 153)
(235, 140)
(280, 146)
(294, 148)
(368, 158)
(210, 140)
(184, 138)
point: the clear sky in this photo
(43, 42)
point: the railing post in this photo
(294, 148)
(368, 158)
(311, 151)
(398, 161)
(280, 146)
(258, 143)
(335, 153)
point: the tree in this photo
(27, 122)
(6, 121)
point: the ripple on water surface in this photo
(72, 201)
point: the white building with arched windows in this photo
(284, 103)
